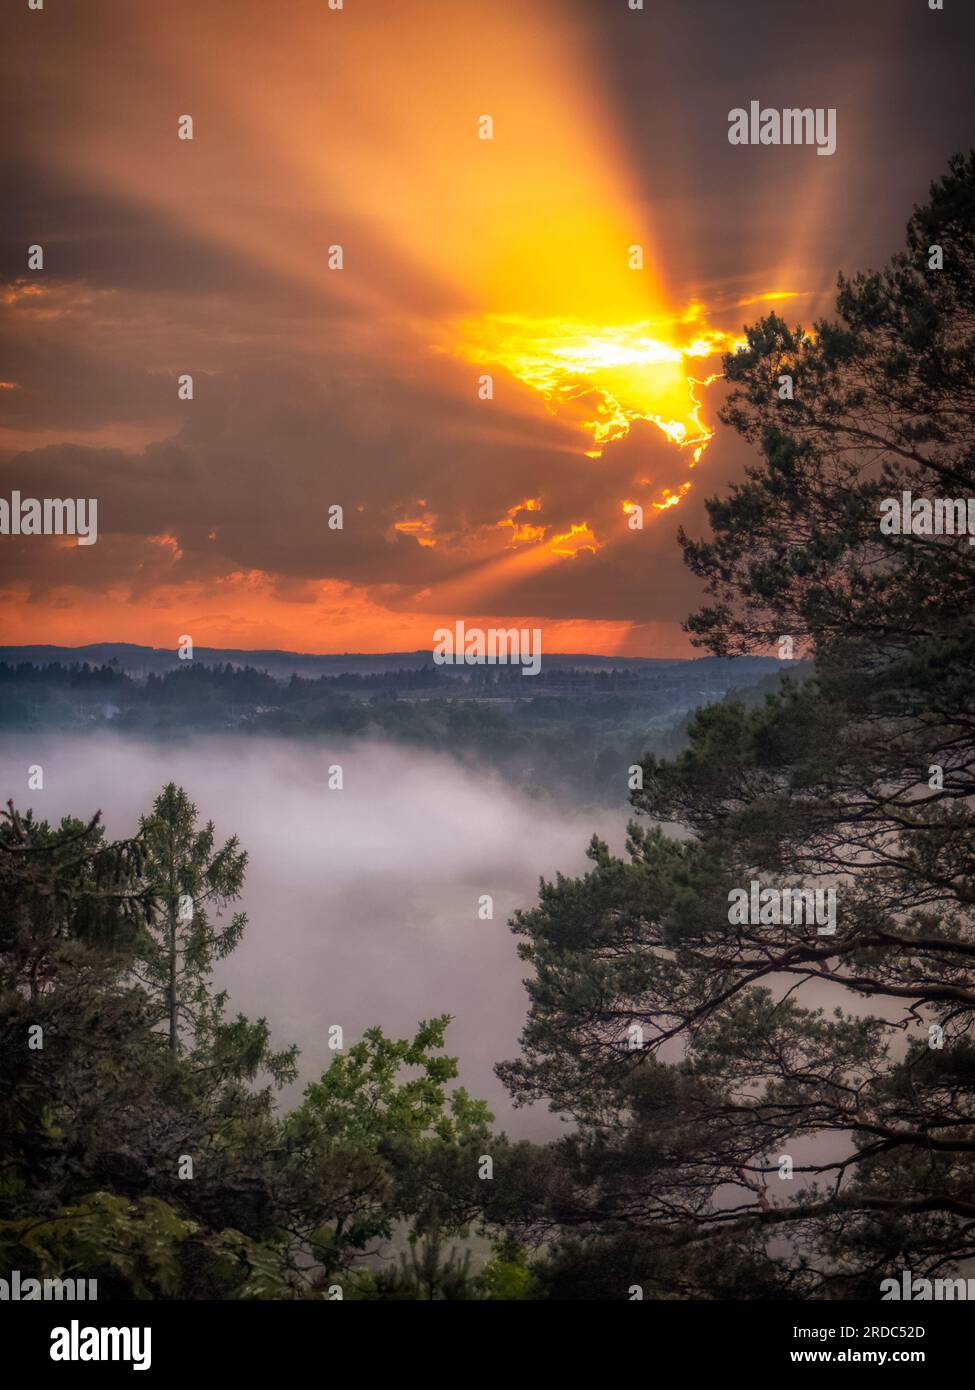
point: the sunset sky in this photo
(462, 256)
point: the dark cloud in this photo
(262, 458)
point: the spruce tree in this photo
(189, 880)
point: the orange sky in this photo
(511, 258)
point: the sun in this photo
(608, 377)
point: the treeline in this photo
(248, 685)
(578, 740)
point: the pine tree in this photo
(734, 1080)
(189, 880)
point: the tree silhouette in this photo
(734, 1080)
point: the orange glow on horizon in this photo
(337, 618)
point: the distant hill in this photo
(139, 661)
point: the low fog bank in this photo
(362, 903)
